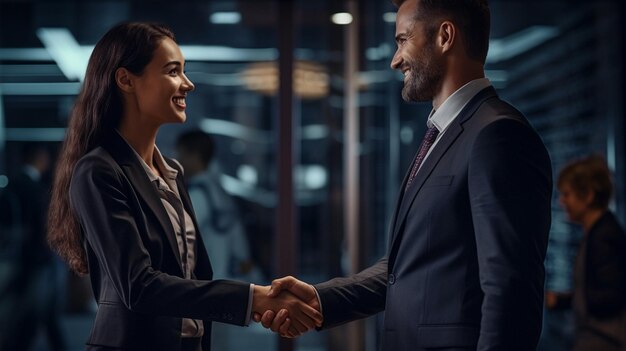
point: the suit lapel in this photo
(447, 139)
(136, 174)
(205, 271)
(443, 145)
(400, 197)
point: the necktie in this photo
(427, 142)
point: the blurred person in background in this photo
(31, 292)
(220, 224)
(599, 300)
(222, 230)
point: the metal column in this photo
(286, 229)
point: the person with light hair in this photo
(599, 301)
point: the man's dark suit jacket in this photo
(468, 240)
(134, 261)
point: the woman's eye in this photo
(173, 71)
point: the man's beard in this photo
(425, 75)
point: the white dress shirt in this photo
(450, 109)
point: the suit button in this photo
(391, 279)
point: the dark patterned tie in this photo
(429, 139)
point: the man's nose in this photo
(396, 61)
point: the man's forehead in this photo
(404, 24)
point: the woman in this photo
(600, 272)
(127, 219)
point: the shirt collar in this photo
(454, 104)
(165, 169)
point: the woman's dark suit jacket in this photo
(133, 258)
(600, 287)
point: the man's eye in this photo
(173, 71)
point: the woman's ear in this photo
(589, 197)
(124, 80)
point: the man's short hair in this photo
(589, 174)
(197, 142)
(471, 16)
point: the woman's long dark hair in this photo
(97, 111)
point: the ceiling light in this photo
(65, 51)
(342, 18)
(225, 18)
(389, 17)
(517, 43)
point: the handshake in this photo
(289, 307)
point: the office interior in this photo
(312, 136)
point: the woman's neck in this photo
(141, 138)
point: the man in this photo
(464, 270)
(600, 272)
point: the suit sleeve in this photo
(510, 188)
(355, 297)
(100, 202)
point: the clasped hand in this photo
(289, 307)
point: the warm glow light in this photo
(310, 80)
(342, 18)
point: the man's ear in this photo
(446, 36)
(124, 80)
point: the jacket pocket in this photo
(114, 326)
(447, 335)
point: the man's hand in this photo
(296, 316)
(280, 322)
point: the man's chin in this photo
(412, 96)
(407, 94)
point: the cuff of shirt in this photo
(319, 301)
(249, 311)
